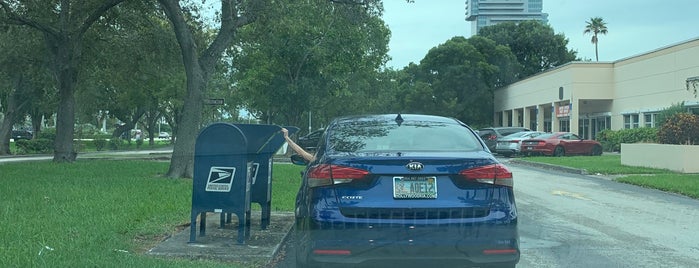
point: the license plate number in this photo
(529, 147)
(414, 187)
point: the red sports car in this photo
(560, 144)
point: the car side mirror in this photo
(298, 160)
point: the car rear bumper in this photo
(370, 243)
(544, 151)
(507, 151)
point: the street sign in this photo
(213, 101)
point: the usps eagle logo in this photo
(220, 179)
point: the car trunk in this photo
(395, 193)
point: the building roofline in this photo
(566, 65)
(658, 49)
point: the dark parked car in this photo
(560, 144)
(310, 141)
(491, 135)
(22, 135)
(404, 189)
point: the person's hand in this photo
(286, 132)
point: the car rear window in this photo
(373, 136)
(545, 136)
(505, 132)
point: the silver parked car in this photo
(511, 144)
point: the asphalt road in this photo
(570, 220)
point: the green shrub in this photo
(99, 143)
(669, 112)
(611, 140)
(34, 146)
(47, 133)
(681, 128)
(115, 144)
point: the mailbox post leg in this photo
(202, 224)
(266, 215)
(247, 224)
(193, 227)
(243, 232)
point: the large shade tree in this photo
(595, 26)
(63, 24)
(534, 43)
(315, 57)
(143, 70)
(25, 86)
(199, 63)
(457, 79)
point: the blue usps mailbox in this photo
(229, 161)
(221, 182)
(263, 142)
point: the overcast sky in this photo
(635, 26)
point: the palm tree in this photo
(595, 26)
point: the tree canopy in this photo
(282, 61)
(303, 57)
(457, 79)
(535, 45)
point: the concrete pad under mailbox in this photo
(220, 243)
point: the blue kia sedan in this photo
(405, 189)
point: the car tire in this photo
(597, 150)
(559, 151)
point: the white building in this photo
(587, 97)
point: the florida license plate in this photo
(414, 187)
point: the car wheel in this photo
(597, 150)
(559, 151)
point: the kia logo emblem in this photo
(414, 166)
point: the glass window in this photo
(373, 136)
(650, 119)
(631, 121)
(564, 125)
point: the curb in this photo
(549, 167)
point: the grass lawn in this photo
(666, 180)
(101, 213)
(676, 183)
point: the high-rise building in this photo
(483, 13)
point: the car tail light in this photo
(497, 174)
(500, 251)
(514, 141)
(492, 137)
(326, 174)
(332, 252)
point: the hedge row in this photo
(611, 140)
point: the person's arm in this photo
(300, 151)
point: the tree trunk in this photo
(182, 163)
(66, 54)
(7, 123)
(197, 67)
(11, 115)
